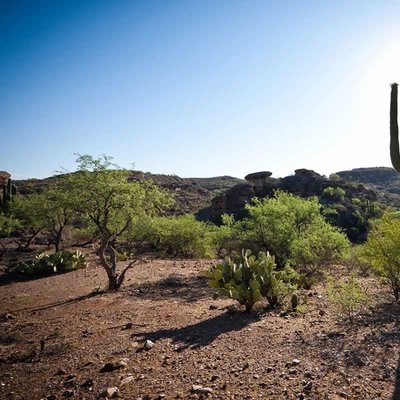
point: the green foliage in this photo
(249, 278)
(50, 210)
(382, 251)
(334, 177)
(347, 295)
(183, 236)
(101, 193)
(333, 193)
(8, 224)
(321, 244)
(227, 238)
(60, 262)
(293, 229)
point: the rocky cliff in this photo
(304, 183)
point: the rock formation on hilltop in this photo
(4, 177)
(304, 183)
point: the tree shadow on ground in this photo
(189, 289)
(396, 394)
(8, 278)
(387, 314)
(61, 303)
(202, 333)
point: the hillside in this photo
(191, 194)
(382, 178)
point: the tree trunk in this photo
(110, 267)
(113, 284)
(31, 239)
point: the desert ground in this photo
(164, 335)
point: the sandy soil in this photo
(57, 334)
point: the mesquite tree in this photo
(103, 195)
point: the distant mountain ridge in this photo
(382, 178)
(191, 194)
(195, 194)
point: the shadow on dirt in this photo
(189, 289)
(7, 278)
(387, 315)
(202, 333)
(396, 394)
(61, 302)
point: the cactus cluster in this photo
(249, 279)
(7, 194)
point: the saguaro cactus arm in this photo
(394, 129)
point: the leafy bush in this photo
(183, 236)
(249, 278)
(321, 244)
(293, 229)
(227, 239)
(382, 251)
(60, 262)
(7, 225)
(333, 193)
(347, 295)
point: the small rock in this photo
(245, 366)
(87, 383)
(114, 365)
(213, 307)
(214, 378)
(269, 369)
(200, 389)
(295, 361)
(112, 393)
(68, 393)
(148, 344)
(292, 371)
(308, 386)
(61, 372)
(126, 380)
(6, 317)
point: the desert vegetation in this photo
(98, 238)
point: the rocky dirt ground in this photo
(163, 336)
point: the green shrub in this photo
(249, 278)
(183, 236)
(333, 193)
(60, 262)
(293, 229)
(320, 245)
(382, 251)
(347, 295)
(227, 239)
(7, 225)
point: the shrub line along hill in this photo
(210, 198)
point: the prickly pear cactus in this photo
(250, 279)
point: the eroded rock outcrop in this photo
(304, 183)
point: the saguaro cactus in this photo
(394, 129)
(9, 191)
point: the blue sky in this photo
(197, 88)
